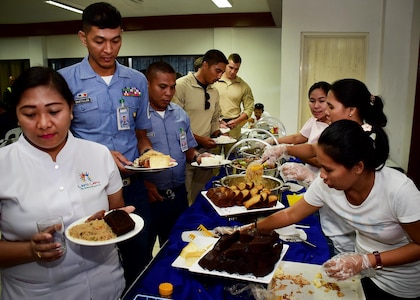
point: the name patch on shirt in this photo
(81, 98)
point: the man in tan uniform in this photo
(197, 96)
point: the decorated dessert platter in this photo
(250, 256)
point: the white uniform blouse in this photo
(75, 186)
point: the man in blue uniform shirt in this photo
(170, 134)
(105, 94)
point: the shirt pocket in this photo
(87, 114)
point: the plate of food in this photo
(309, 282)
(240, 209)
(193, 251)
(152, 161)
(152, 169)
(212, 161)
(225, 259)
(115, 227)
(224, 140)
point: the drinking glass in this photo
(55, 226)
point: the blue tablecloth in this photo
(193, 286)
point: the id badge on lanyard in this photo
(123, 117)
(183, 140)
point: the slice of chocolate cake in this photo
(119, 221)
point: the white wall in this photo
(393, 36)
(258, 47)
(271, 56)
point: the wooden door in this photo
(329, 57)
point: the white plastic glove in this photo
(298, 172)
(271, 154)
(270, 141)
(221, 230)
(346, 265)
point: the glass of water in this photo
(55, 226)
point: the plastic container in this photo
(166, 289)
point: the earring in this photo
(350, 114)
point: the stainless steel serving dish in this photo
(275, 185)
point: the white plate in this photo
(239, 210)
(142, 169)
(352, 289)
(224, 141)
(288, 238)
(294, 187)
(222, 163)
(196, 268)
(137, 228)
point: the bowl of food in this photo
(274, 184)
(239, 166)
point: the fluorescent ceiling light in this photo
(222, 3)
(61, 5)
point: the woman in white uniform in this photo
(380, 203)
(49, 172)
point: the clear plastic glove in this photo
(346, 265)
(221, 230)
(271, 154)
(298, 172)
(270, 141)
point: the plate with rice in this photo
(98, 233)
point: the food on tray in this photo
(152, 159)
(119, 221)
(250, 252)
(282, 280)
(244, 194)
(224, 139)
(191, 253)
(254, 173)
(242, 163)
(211, 160)
(95, 230)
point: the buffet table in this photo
(189, 285)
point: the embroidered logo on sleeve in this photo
(86, 182)
(131, 92)
(81, 98)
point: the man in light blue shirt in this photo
(170, 134)
(104, 92)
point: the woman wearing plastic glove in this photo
(309, 133)
(380, 203)
(346, 99)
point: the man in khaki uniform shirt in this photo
(234, 92)
(197, 96)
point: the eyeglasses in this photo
(206, 102)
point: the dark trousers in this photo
(136, 252)
(166, 213)
(373, 292)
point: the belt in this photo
(128, 180)
(169, 193)
(227, 120)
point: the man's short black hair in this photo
(259, 106)
(102, 15)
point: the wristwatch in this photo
(379, 265)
